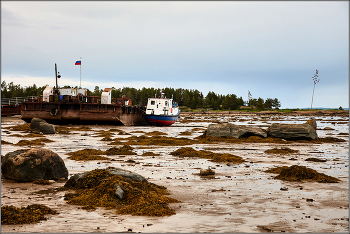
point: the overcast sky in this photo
(270, 48)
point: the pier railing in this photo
(15, 100)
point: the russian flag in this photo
(78, 62)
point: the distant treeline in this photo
(191, 98)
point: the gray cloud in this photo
(267, 47)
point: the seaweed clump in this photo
(30, 214)
(105, 134)
(159, 140)
(283, 150)
(42, 181)
(62, 130)
(214, 157)
(186, 133)
(94, 154)
(124, 150)
(39, 142)
(87, 154)
(115, 141)
(315, 160)
(149, 153)
(98, 189)
(21, 127)
(156, 133)
(300, 173)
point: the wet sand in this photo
(239, 198)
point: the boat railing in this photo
(16, 100)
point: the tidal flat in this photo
(239, 197)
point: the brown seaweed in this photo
(37, 142)
(141, 198)
(30, 214)
(215, 157)
(283, 150)
(300, 173)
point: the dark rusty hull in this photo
(83, 113)
(7, 110)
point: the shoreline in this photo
(309, 113)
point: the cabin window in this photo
(166, 103)
(153, 102)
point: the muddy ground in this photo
(239, 198)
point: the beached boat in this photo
(161, 111)
(73, 106)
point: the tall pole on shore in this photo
(56, 75)
(316, 80)
(80, 73)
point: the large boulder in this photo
(305, 131)
(41, 126)
(27, 165)
(232, 130)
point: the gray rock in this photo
(128, 174)
(119, 192)
(114, 171)
(292, 131)
(232, 130)
(27, 165)
(41, 126)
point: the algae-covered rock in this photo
(232, 130)
(125, 191)
(27, 165)
(79, 177)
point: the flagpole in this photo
(80, 72)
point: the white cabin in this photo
(82, 91)
(161, 106)
(106, 96)
(46, 93)
(72, 91)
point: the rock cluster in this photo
(306, 131)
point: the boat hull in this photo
(160, 120)
(83, 113)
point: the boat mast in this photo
(57, 76)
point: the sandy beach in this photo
(239, 198)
